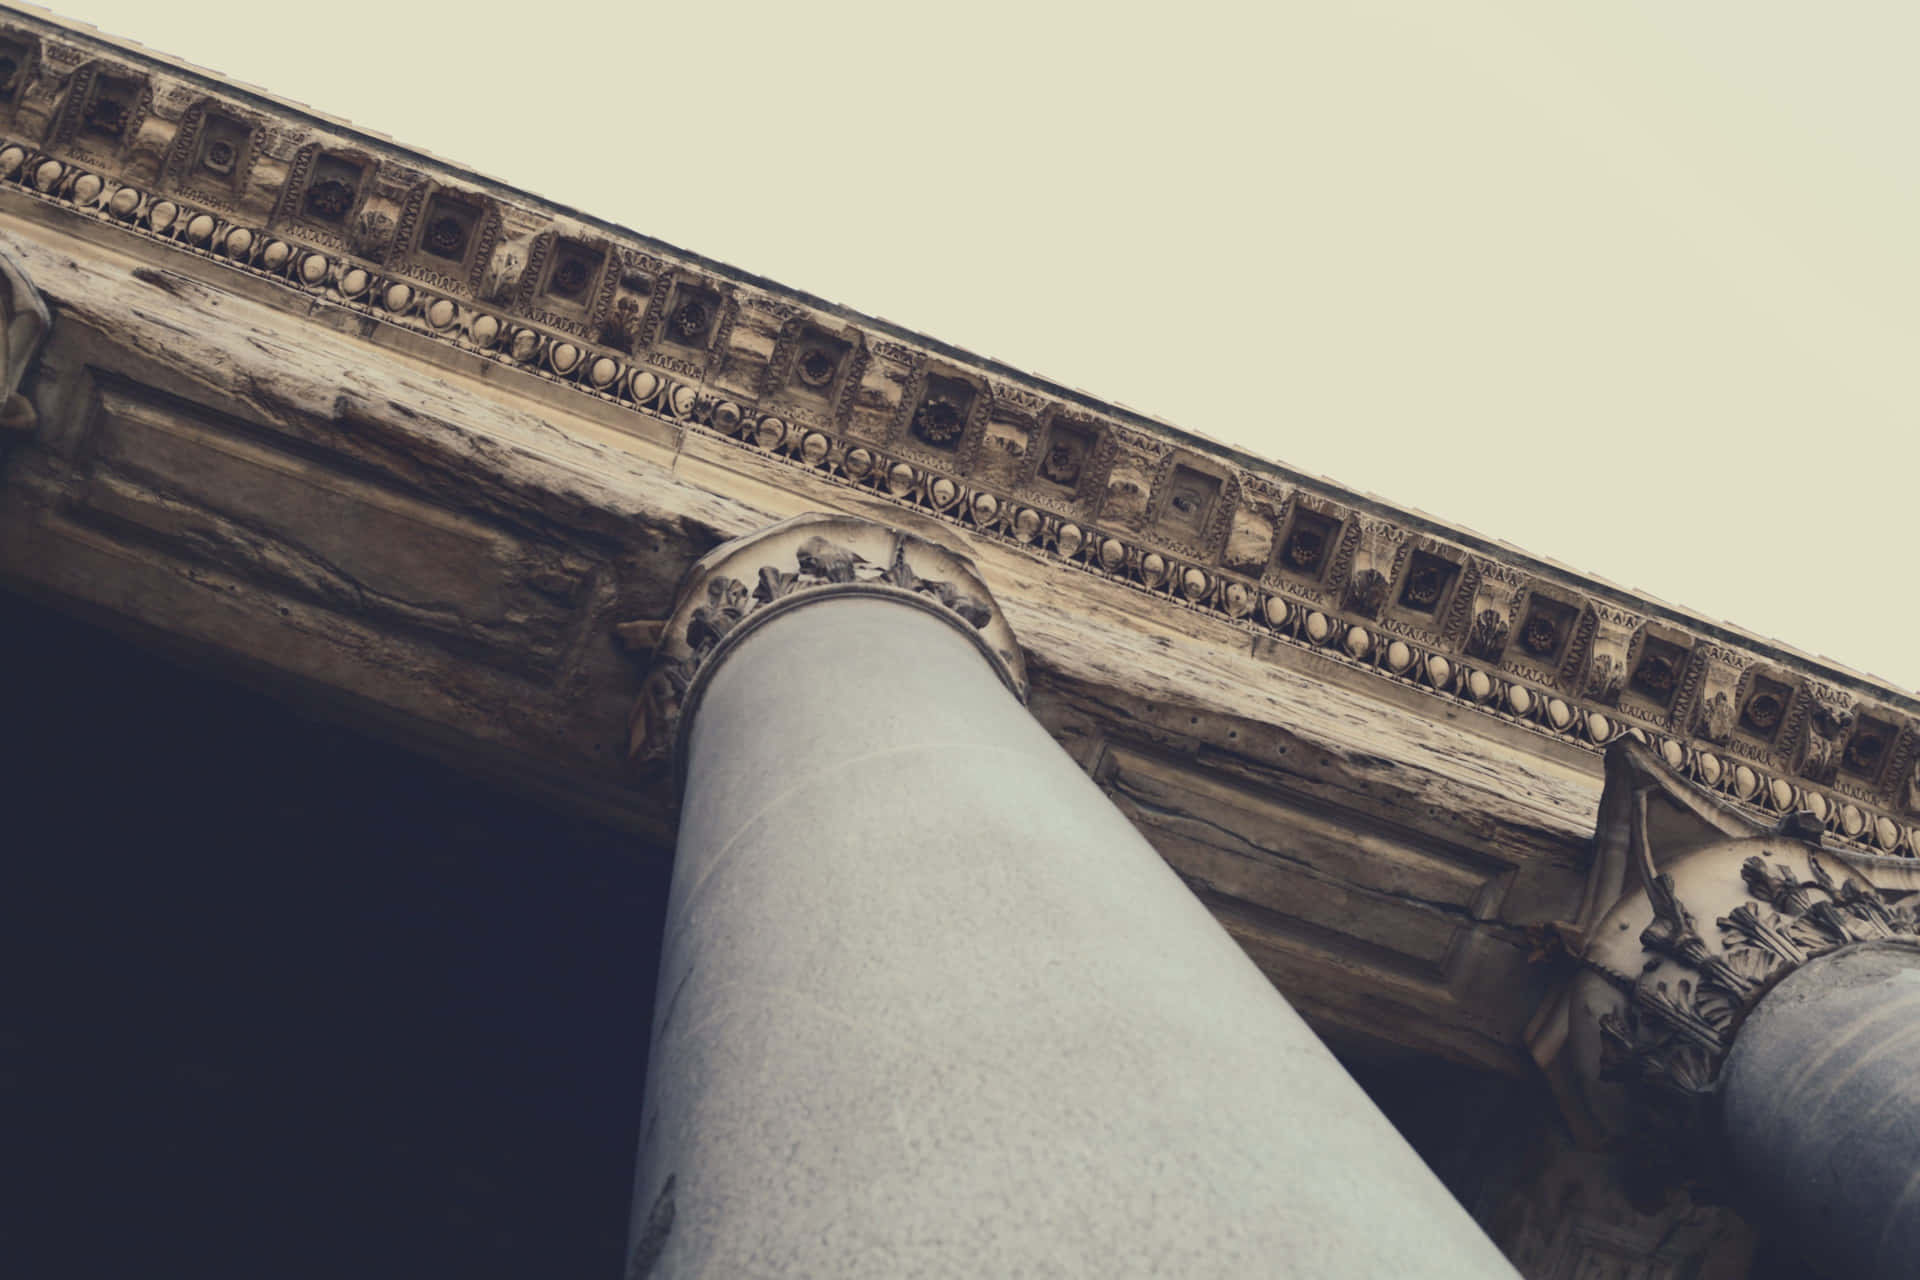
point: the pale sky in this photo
(1632, 286)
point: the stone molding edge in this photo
(805, 560)
(1635, 1039)
(1164, 515)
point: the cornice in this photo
(187, 164)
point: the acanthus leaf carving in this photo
(1666, 994)
(1381, 546)
(727, 603)
(827, 562)
(655, 716)
(815, 555)
(1497, 590)
(1605, 676)
(774, 584)
(1487, 638)
(24, 322)
(1829, 717)
(1715, 719)
(1366, 592)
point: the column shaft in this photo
(1822, 1110)
(929, 1005)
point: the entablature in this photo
(428, 444)
(348, 222)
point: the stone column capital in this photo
(1693, 913)
(740, 585)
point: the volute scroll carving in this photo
(1693, 913)
(741, 583)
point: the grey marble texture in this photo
(930, 1006)
(1822, 1111)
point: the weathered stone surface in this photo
(441, 559)
(1692, 914)
(745, 583)
(203, 178)
(449, 561)
(432, 455)
(23, 327)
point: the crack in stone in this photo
(1250, 849)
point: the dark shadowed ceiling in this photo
(296, 1003)
(284, 1000)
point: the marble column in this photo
(929, 1005)
(1746, 1017)
(1822, 1109)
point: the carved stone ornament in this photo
(740, 584)
(1715, 723)
(25, 321)
(1692, 913)
(1376, 560)
(1828, 720)
(383, 240)
(1606, 672)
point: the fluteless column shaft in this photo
(1821, 1110)
(930, 1005)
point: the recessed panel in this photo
(1319, 876)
